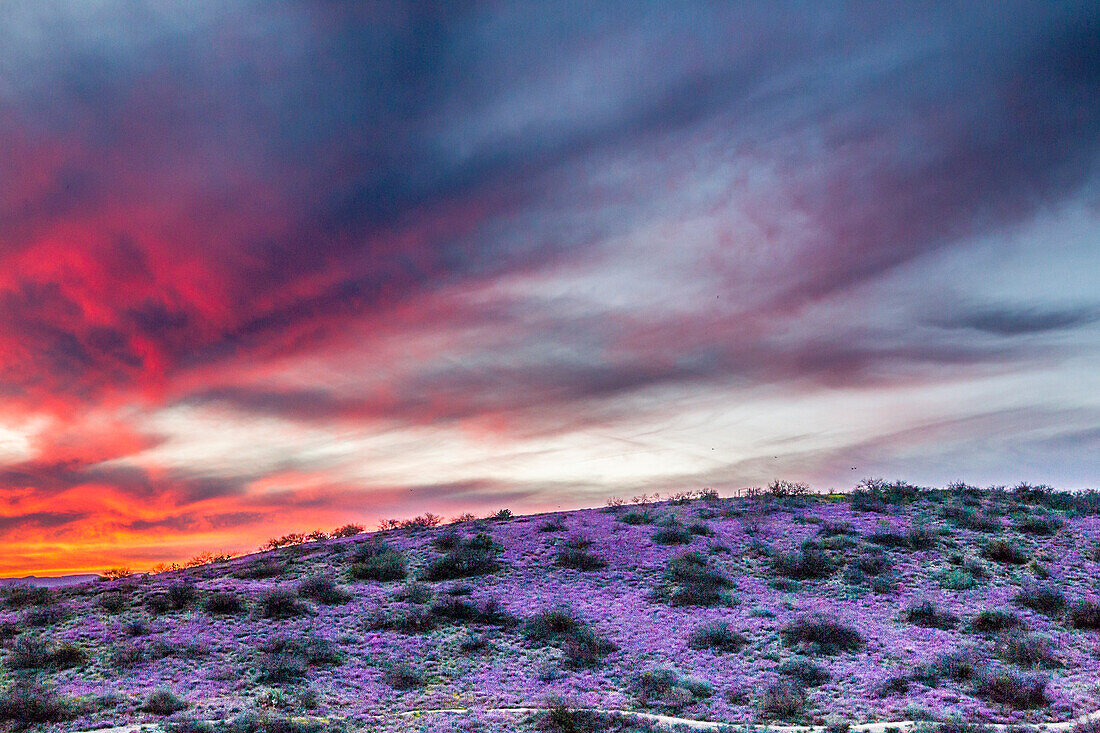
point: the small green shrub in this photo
(819, 634)
(665, 690)
(223, 603)
(805, 672)
(471, 558)
(717, 636)
(1084, 613)
(782, 700)
(995, 621)
(1003, 551)
(323, 589)
(280, 603)
(808, 563)
(378, 561)
(925, 613)
(1042, 598)
(1014, 689)
(164, 702)
(689, 580)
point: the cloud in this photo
(1020, 321)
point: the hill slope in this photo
(890, 604)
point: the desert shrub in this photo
(957, 580)
(222, 602)
(804, 672)
(872, 562)
(690, 581)
(978, 521)
(674, 534)
(782, 489)
(323, 589)
(666, 690)
(556, 524)
(956, 666)
(157, 604)
(819, 634)
(488, 612)
(28, 702)
(917, 538)
(47, 615)
(582, 647)
(447, 540)
(717, 636)
(1027, 649)
(21, 596)
(701, 529)
(29, 651)
(1003, 551)
(585, 649)
(405, 619)
(833, 529)
(414, 592)
(378, 561)
(180, 595)
(402, 676)
(1042, 598)
(286, 659)
(894, 685)
(113, 602)
(808, 563)
(561, 717)
(636, 517)
(782, 700)
(550, 625)
(576, 558)
(994, 621)
(267, 722)
(472, 557)
(164, 702)
(125, 656)
(1084, 613)
(280, 603)
(348, 530)
(925, 613)
(1014, 689)
(1043, 525)
(262, 569)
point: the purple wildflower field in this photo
(890, 603)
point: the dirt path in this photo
(902, 726)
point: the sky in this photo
(273, 266)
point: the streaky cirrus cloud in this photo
(271, 265)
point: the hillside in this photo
(891, 603)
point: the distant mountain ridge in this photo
(54, 581)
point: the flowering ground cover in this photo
(886, 604)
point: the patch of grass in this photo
(717, 636)
(819, 634)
